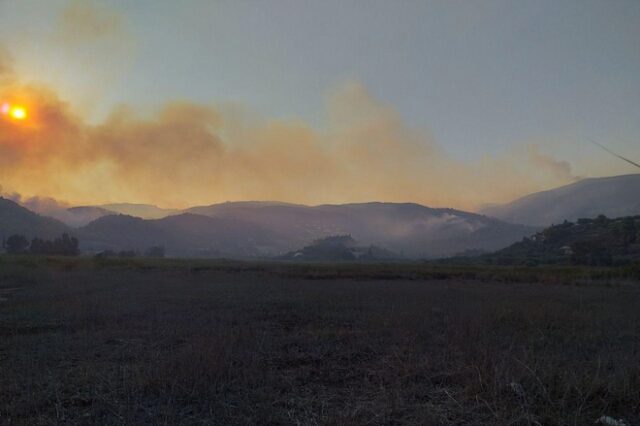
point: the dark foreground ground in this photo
(167, 342)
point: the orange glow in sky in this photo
(15, 112)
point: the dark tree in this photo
(17, 244)
(67, 246)
(63, 246)
(591, 252)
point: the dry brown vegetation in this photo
(167, 342)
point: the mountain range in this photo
(267, 229)
(614, 196)
(264, 229)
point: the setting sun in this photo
(15, 112)
(18, 113)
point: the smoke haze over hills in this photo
(186, 154)
(266, 229)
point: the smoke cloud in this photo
(188, 154)
(86, 21)
(561, 169)
(43, 205)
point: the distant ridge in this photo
(83, 215)
(15, 219)
(185, 234)
(265, 229)
(409, 229)
(615, 196)
(80, 216)
(144, 211)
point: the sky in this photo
(447, 103)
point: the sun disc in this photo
(18, 113)
(14, 112)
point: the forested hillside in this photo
(600, 241)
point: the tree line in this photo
(154, 251)
(64, 245)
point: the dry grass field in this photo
(228, 343)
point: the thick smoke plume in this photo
(187, 154)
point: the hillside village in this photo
(598, 242)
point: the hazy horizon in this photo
(193, 103)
